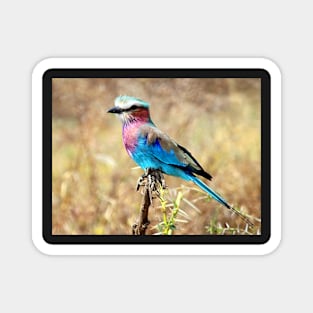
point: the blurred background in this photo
(94, 180)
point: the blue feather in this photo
(219, 199)
(210, 191)
(154, 156)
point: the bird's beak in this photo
(115, 110)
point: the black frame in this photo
(157, 73)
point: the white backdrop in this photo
(34, 30)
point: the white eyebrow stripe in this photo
(125, 102)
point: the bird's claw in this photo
(153, 180)
(140, 182)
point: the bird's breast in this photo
(130, 137)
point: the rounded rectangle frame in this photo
(177, 245)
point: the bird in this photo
(153, 149)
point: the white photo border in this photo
(153, 249)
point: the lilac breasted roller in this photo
(150, 148)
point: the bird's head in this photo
(130, 109)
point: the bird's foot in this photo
(153, 180)
(140, 182)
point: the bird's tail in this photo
(219, 199)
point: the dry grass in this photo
(94, 180)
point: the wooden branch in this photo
(151, 180)
(143, 222)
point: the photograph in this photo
(156, 156)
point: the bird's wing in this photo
(167, 150)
